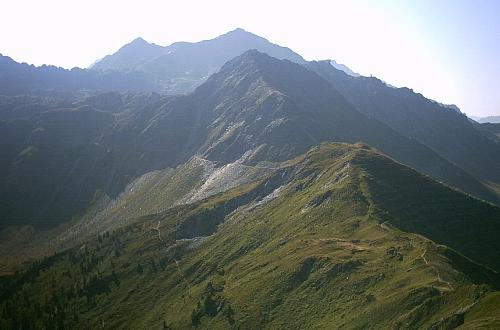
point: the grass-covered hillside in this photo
(151, 193)
(341, 237)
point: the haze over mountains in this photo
(141, 66)
(182, 66)
(208, 147)
(490, 119)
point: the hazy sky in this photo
(448, 50)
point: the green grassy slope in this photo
(316, 244)
(151, 193)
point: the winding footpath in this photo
(439, 279)
(181, 274)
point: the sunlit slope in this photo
(318, 243)
(151, 193)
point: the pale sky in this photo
(448, 50)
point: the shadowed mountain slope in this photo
(491, 130)
(258, 100)
(274, 109)
(21, 78)
(447, 132)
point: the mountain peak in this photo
(180, 58)
(240, 31)
(138, 41)
(241, 35)
(252, 58)
(129, 56)
(281, 74)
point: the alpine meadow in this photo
(233, 183)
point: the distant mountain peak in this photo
(193, 61)
(139, 40)
(239, 30)
(240, 33)
(129, 56)
(138, 43)
(489, 119)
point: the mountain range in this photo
(489, 119)
(250, 187)
(182, 66)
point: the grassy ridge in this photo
(316, 244)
